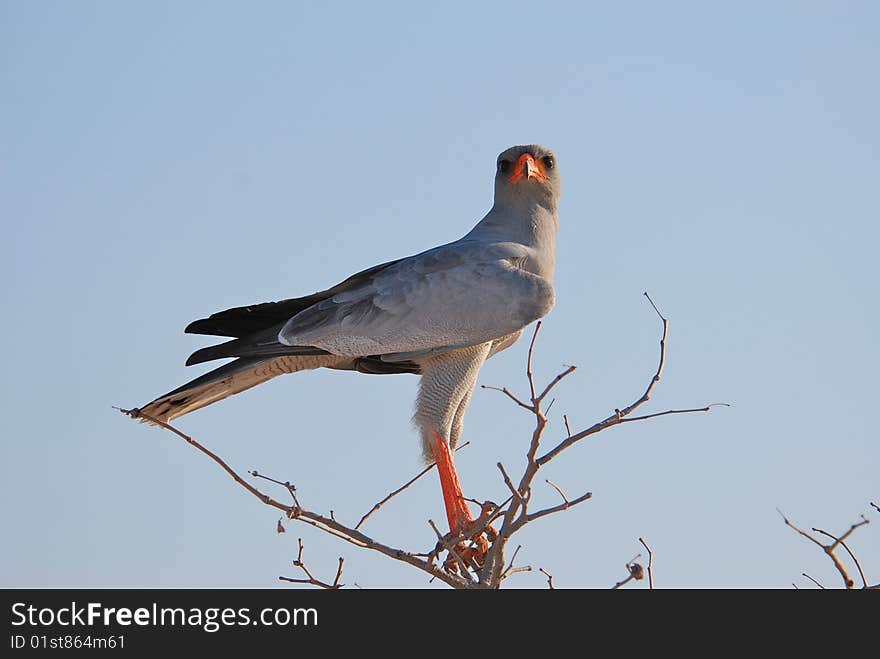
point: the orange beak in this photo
(527, 167)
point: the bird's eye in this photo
(549, 162)
(503, 165)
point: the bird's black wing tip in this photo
(199, 327)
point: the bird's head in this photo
(527, 174)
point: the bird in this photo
(439, 314)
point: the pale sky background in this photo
(160, 161)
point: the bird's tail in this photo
(229, 379)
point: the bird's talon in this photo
(471, 552)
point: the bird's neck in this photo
(532, 225)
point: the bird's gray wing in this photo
(460, 294)
(244, 321)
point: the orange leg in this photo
(457, 511)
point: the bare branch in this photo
(529, 362)
(849, 532)
(568, 371)
(803, 533)
(557, 488)
(336, 583)
(401, 489)
(687, 411)
(647, 395)
(506, 392)
(613, 420)
(286, 484)
(310, 578)
(512, 559)
(846, 547)
(509, 483)
(804, 574)
(851, 555)
(510, 570)
(830, 549)
(650, 564)
(517, 514)
(620, 415)
(321, 522)
(549, 578)
(535, 398)
(137, 414)
(555, 509)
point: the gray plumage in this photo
(440, 313)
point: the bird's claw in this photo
(470, 553)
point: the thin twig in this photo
(310, 578)
(650, 564)
(558, 489)
(513, 558)
(549, 578)
(647, 395)
(804, 574)
(511, 570)
(336, 583)
(506, 392)
(568, 371)
(555, 509)
(803, 533)
(401, 489)
(529, 362)
(286, 484)
(849, 532)
(509, 483)
(137, 414)
(687, 411)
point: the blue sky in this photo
(160, 161)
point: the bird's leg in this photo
(447, 381)
(481, 543)
(457, 512)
